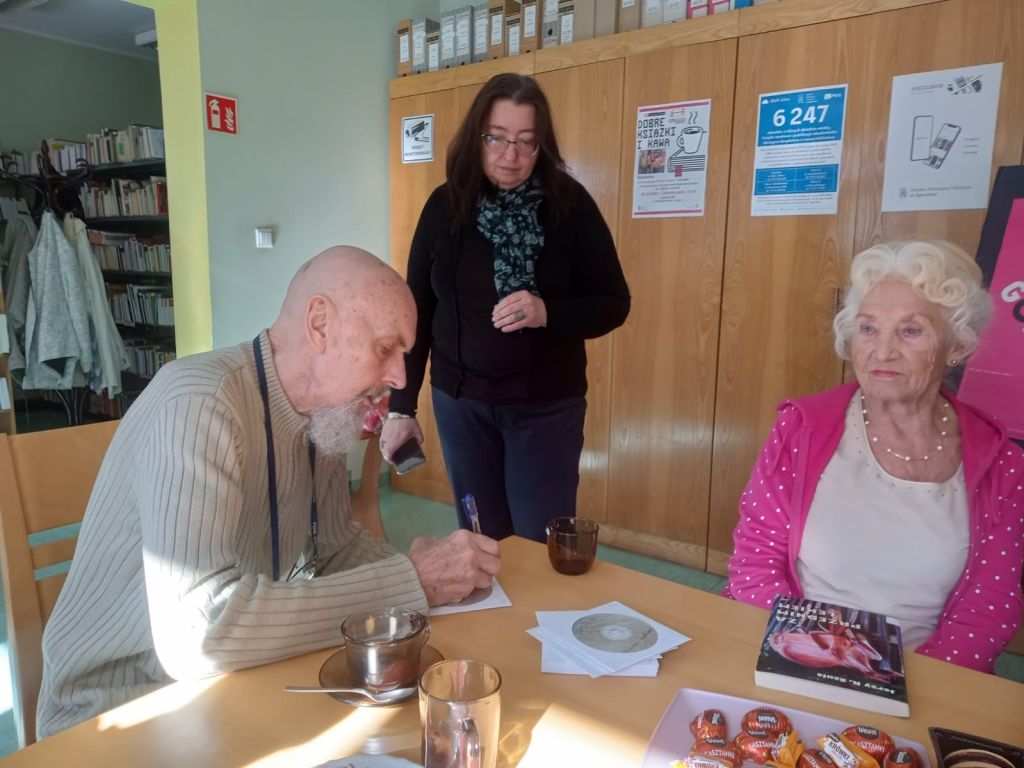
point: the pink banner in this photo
(994, 379)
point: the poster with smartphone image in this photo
(942, 129)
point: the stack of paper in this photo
(611, 639)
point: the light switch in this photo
(264, 237)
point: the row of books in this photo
(134, 143)
(133, 305)
(145, 359)
(125, 197)
(131, 253)
(64, 155)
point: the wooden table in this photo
(245, 718)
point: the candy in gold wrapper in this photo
(844, 753)
(786, 750)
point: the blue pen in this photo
(469, 504)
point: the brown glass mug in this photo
(572, 544)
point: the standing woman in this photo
(512, 268)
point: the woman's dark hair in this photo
(466, 180)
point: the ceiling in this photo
(110, 25)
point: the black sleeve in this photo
(418, 278)
(602, 302)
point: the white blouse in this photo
(876, 542)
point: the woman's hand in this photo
(396, 433)
(519, 310)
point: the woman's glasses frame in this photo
(499, 144)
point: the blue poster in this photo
(798, 154)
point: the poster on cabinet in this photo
(942, 127)
(418, 139)
(799, 151)
(671, 166)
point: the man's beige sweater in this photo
(172, 575)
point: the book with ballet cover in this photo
(835, 653)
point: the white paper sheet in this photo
(478, 600)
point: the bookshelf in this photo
(123, 206)
(134, 256)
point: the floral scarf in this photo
(509, 221)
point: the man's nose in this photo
(394, 374)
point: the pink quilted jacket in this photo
(984, 608)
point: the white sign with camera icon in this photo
(418, 139)
(671, 169)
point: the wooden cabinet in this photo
(731, 313)
(587, 104)
(663, 373)
(784, 275)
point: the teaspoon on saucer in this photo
(381, 697)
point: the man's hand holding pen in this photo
(450, 568)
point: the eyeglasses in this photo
(499, 144)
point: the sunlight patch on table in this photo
(164, 701)
(363, 731)
(567, 737)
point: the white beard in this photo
(335, 430)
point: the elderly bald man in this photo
(229, 469)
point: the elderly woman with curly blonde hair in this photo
(888, 494)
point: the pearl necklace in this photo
(891, 452)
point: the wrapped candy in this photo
(720, 749)
(709, 724)
(755, 746)
(876, 743)
(766, 719)
(904, 757)
(844, 753)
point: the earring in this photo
(953, 363)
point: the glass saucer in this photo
(335, 674)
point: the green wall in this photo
(311, 155)
(53, 89)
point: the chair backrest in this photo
(45, 482)
(366, 500)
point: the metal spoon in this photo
(381, 697)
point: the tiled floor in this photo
(406, 517)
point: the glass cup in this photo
(383, 647)
(572, 544)
(460, 707)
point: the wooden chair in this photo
(366, 500)
(45, 482)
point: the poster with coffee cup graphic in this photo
(671, 168)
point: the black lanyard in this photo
(261, 375)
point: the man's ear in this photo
(319, 312)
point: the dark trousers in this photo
(520, 462)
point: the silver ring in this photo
(518, 315)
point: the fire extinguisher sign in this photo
(221, 114)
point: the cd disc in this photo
(614, 633)
(478, 595)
